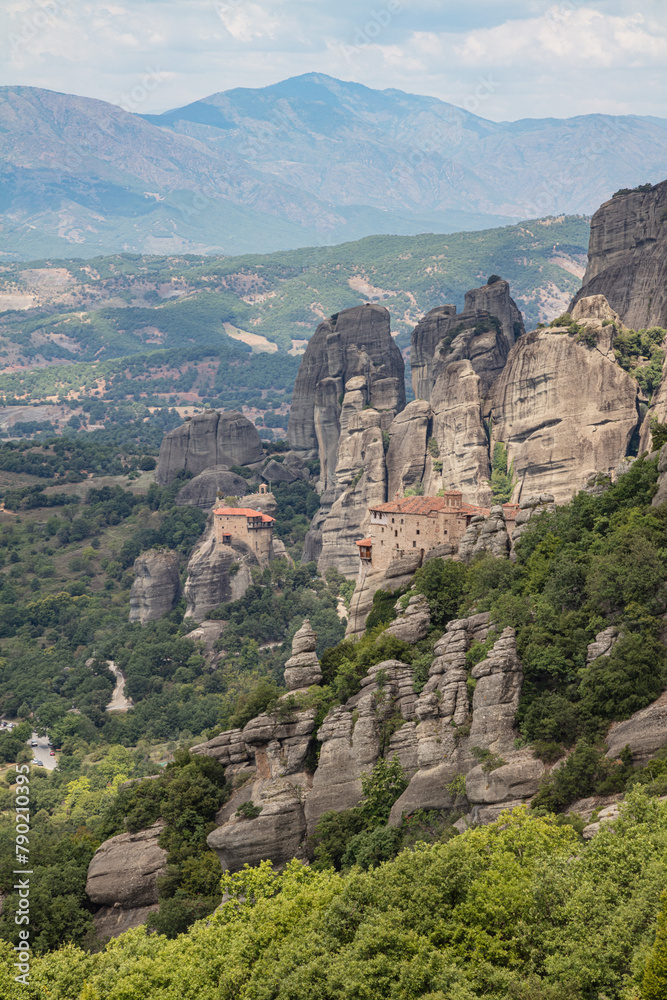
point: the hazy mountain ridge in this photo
(310, 160)
(60, 310)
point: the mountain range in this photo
(310, 160)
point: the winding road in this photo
(118, 703)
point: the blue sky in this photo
(503, 60)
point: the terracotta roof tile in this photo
(365, 541)
(242, 511)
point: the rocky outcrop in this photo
(275, 787)
(451, 734)
(203, 490)
(216, 574)
(112, 921)
(264, 502)
(208, 633)
(348, 390)
(486, 534)
(207, 440)
(354, 343)
(482, 334)
(303, 667)
(627, 256)
(528, 508)
(413, 621)
(645, 732)
(462, 724)
(361, 478)
(397, 576)
(564, 410)
(125, 869)
(661, 495)
(156, 585)
(603, 645)
(456, 359)
(355, 735)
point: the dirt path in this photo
(118, 703)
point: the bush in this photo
(442, 583)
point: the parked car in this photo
(52, 753)
(34, 743)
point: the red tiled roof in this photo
(365, 541)
(243, 511)
(470, 508)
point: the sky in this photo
(501, 60)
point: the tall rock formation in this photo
(564, 409)
(208, 439)
(456, 359)
(349, 389)
(482, 334)
(216, 573)
(627, 256)
(156, 585)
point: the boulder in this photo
(518, 779)
(203, 490)
(278, 472)
(603, 645)
(645, 732)
(277, 832)
(156, 585)
(207, 440)
(124, 870)
(413, 623)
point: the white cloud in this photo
(550, 59)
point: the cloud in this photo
(558, 59)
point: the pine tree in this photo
(654, 986)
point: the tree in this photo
(654, 986)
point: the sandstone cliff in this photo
(207, 440)
(564, 409)
(627, 256)
(349, 389)
(456, 359)
(156, 585)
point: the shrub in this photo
(248, 810)
(493, 279)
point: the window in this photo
(396, 533)
(414, 544)
(392, 520)
(418, 531)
